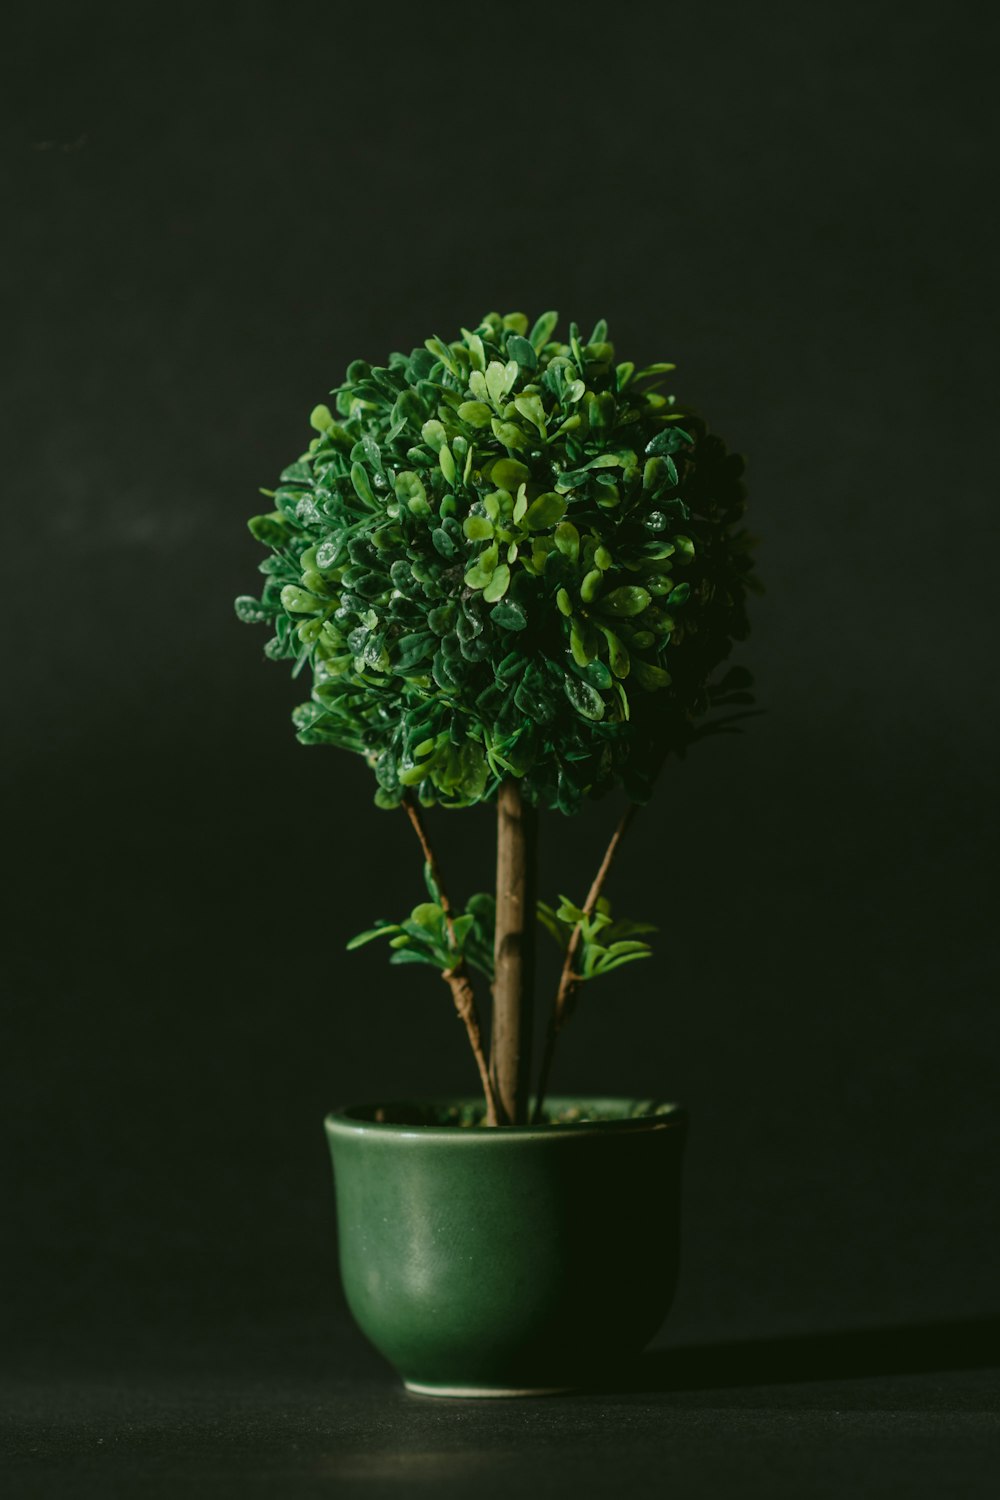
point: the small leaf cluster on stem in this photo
(506, 1078)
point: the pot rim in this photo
(350, 1120)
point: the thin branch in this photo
(569, 979)
(457, 981)
(465, 1003)
(413, 813)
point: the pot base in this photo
(480, 1392)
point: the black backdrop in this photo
(210, 211)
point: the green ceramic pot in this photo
(513, 1260)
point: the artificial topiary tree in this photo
(513, 567)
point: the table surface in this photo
(300, 1409)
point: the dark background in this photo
(210, 211)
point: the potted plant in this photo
(513, 567)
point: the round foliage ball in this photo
(507, 556)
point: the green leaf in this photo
(299, 601)
(477, 528)
(617, 954)
(321, 418)
(552, 925)
(428, 915)
(509, 474)
(359, 479)
(542, 332)
(591, 586)
(569, 913)
(531, 408)
(630, 600)
(520, 349)
(583, 643)
(568, 540)
(509, 616)
(440, 349)
(545, 511)
(649, 676)
(476, 413)
(496, 382)
(510, 434)
(433, 434)
(388, 929)
(585, 699)
(476, 351)
(617, 654)
(251, 611)
(419, 646)
(414, 956)
(446, 460)
(270, 529)
(498, 584)
(571, 479)
(410, 490)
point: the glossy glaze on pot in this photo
(501, 1261)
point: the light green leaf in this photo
(545, 511)
(510, 434)
(498, 584)
(362, 488)
(410, 490)
(591, 586)
(476, 413)
(299, 601)
(388, 930)
(568, 540)
(583, 644)
(630, 600)
(321, 418)
(543, 330)
(531, 407)
(496, 382)
(617, 654)
(447, 461)
(474, 345)
(567, 912)
(481, 572)
(440, 349)
(508, 474)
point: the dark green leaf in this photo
(586, 700)
(520, 349)
(509, 615)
